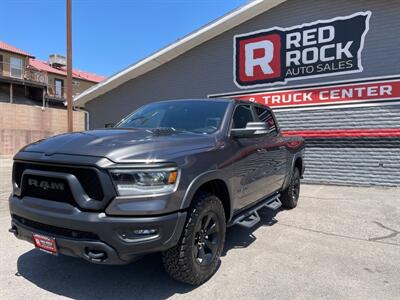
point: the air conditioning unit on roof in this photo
(57, 60)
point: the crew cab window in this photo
(242, 116)
(265, 115)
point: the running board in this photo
(250, 217)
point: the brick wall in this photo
(349, 160)
(24, 124)
(341, 118)
(352, 165)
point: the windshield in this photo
(194, 116)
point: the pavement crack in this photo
(338, 235)
(391, 235)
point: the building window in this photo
(16, 67)
(58, 88)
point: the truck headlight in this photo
(147, 182)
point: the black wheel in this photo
(197, 255)
(290, 195)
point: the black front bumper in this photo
(94, 236)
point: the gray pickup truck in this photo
(169, 178)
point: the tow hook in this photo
(96, 255)
(13, 230)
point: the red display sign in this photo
(262, 48)
(327, 95)
(321, 48)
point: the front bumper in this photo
(94, 236)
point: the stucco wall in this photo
(76, 90)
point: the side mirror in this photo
(252, 129)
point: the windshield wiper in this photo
(169, 130)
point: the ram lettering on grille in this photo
(46, 185)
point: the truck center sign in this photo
(322, 48)
(330, 94)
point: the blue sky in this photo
(108, 35)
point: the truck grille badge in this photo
(46, 185)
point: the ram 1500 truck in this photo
(169, 178)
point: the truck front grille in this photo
(58, 195)
(86, 176)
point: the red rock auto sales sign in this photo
(328, 95)
(322, 48)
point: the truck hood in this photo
(124, 145)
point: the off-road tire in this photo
(290, 196)
(181, 261)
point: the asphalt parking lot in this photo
(339, 243)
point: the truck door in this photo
(273, 152)
(247, 176)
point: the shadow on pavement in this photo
(144, 279)
(78, 279)
(241, 237)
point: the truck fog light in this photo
(145, 231)
(139, 234)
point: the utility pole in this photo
(69, 66)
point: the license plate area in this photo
(45, 243)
